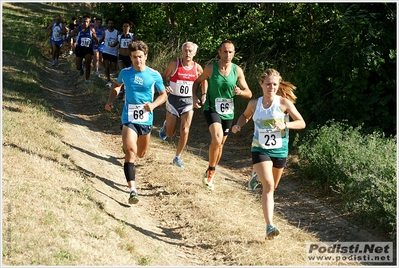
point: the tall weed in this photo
(359, 168)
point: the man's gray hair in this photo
(194, 44)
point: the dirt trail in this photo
(93, 159)
(93, 140)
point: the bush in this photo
(360, 168)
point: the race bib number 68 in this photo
(137, 114)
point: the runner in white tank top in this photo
(110, 50)
(56, 30)
(270, 141)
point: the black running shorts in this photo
(262, 157)
(213, 117)
(81, 52)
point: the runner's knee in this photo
(217, 141)
(184, 130)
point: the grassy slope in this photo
(49, 215)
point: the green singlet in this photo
(220, 96)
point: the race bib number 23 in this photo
(270, 139)
(137, 114)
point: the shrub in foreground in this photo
(360, 168)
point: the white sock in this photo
(133, 189)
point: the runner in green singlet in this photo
(218, 102)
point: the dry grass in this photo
(52, 216)
(228, 224)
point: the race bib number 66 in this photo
(270, 139)
(224, 106)
(137, 114)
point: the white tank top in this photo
(110, 38)
(265, 136)
(56, 35)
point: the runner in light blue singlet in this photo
(140, 87)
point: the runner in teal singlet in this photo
(218, 101)
(270, 114)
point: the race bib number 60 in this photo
(270, 139)
(224, 106)
(184, 88)
(137, 114)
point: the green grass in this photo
(359, 168)
(22, 82)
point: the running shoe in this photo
(86, 82)
(253, 182)
(70, 52)
(97, 73)
(133, 198)
(108, 84)
(52, 62)
(272, 231)
(81, 72)
(177, 161)
(208, 179)
(56, 62)
(162, 134)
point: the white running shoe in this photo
(177, 161)
(208, 179)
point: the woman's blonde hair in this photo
(285, 89)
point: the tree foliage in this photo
(341, 56)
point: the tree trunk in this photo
(170, 25)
